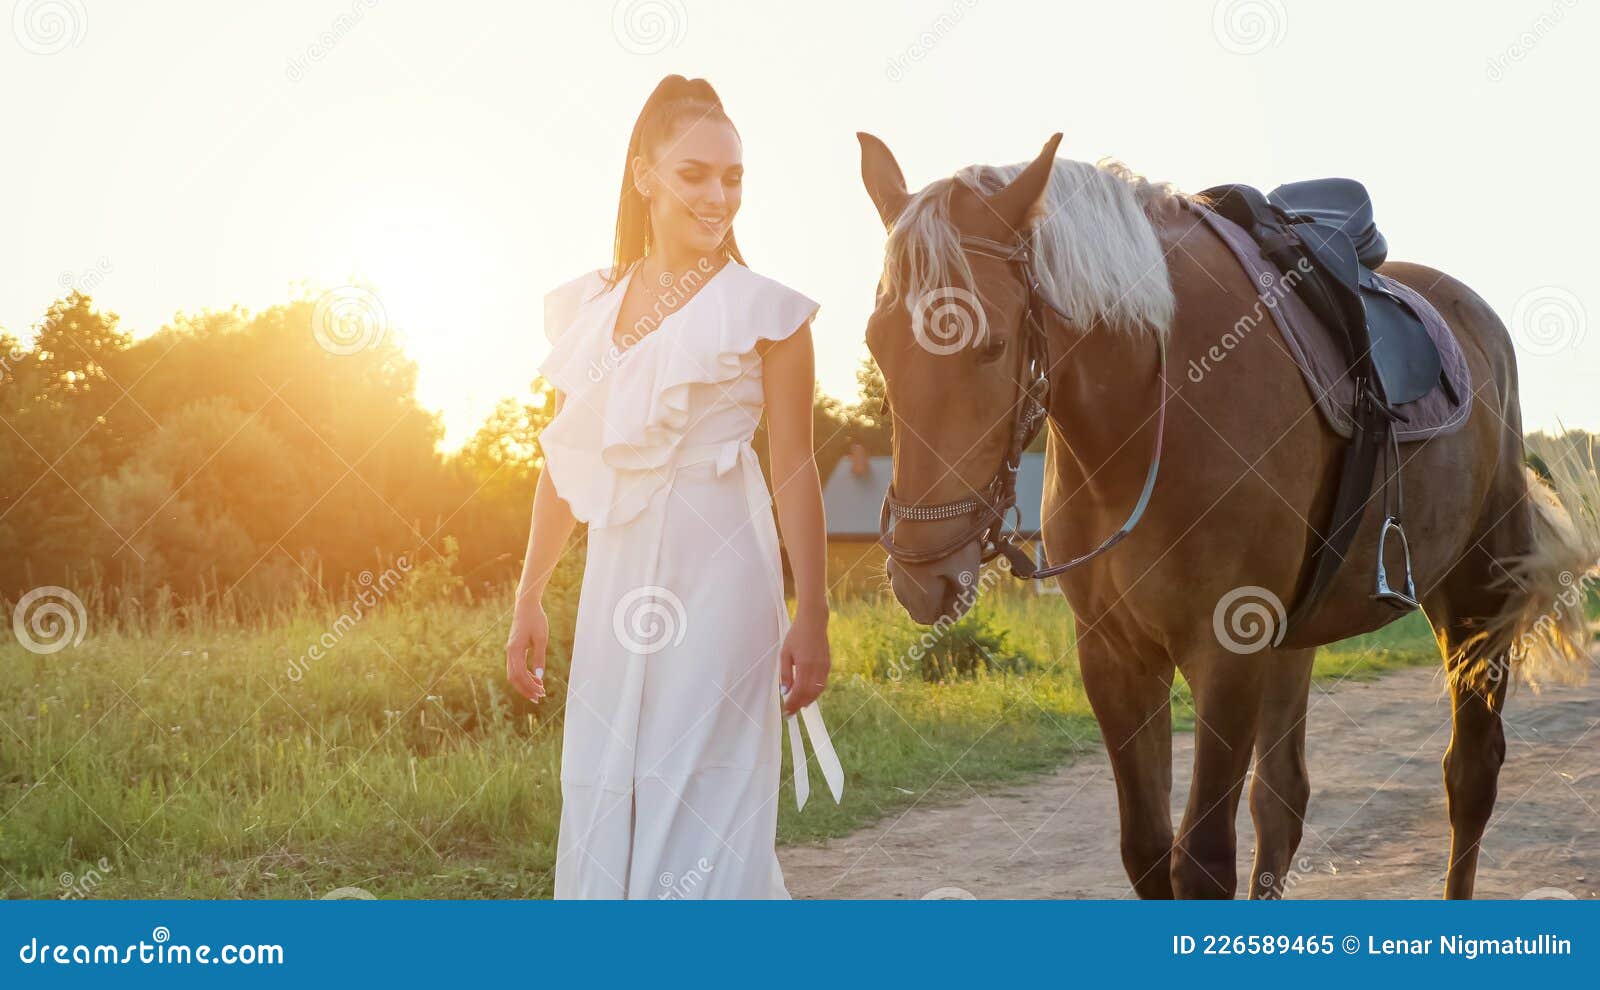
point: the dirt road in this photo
(1377, 825)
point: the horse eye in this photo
(991, 351)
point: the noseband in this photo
(990, 506)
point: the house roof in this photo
(852, 501)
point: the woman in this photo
(684, 651)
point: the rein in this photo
(999, 496)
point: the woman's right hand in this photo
(525, 647)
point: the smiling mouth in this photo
(711, 224)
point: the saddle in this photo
(1322, 238)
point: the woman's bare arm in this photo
(552, 524)
(789, 378)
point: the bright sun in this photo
(434, 263)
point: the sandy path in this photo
(1377, 825)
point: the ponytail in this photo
(674, 100)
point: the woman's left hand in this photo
(805, 662)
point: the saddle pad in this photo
(1320, 354)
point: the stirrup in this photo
(1406, 601)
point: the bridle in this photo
(989, 507)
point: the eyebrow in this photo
(696, 161)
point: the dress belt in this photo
(726, 456)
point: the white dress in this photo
(672, 743)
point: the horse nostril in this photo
(950, 592)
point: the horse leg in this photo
(1227, 699)
(1281, 786)
(1478, 683)
(1133, 704)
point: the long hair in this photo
(675, 102)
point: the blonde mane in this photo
(1095, 249)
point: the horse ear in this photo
(881, 174)
(1017, 203)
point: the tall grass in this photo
(379, 748)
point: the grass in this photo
(236, 761)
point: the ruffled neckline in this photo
(620, 295)
(625, 419)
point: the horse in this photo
(1135, 282)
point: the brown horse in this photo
(1246, 479)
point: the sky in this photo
(461, 159)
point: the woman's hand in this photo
(805, 662)
(530, 633)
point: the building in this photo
(853, 496)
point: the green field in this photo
(161, 758)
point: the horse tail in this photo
(1544, 632)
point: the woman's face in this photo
(694, 182)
